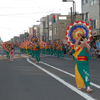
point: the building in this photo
(51, 24)
(60, 26)
(91, 15)
(42, 29)
(30, 31)
(22, 37)
(46, 27)
(1, 41)
(53, 28)
(26, 36)
(36, 29)
(15, 40)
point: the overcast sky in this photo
(16, 16)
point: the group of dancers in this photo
(8, 49)
(34, 49)
(80, 52)
(53, 49)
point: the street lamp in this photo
(73, 7)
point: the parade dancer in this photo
(11, 54)
(37, 52)
(58, 50)
(62, 50)
(32, 50)
(78, 35)
(54, 49)
(51, 49)
(82, 74)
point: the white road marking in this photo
(84, 95)
(93, 84)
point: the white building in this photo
(91, 14)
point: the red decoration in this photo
(90, 19)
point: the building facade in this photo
(60, 26)
(91, 15)
(35, 29)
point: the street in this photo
(51, 79)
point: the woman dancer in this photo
(82, 74)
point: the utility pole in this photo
(48, 26)
(99, 17)
(71, 15)
(73, 11)
(71, 8)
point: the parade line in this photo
(84, 95)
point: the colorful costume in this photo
(37, 52)
(51, 50)
(59, 51)
(62, 51)
(82, 74)
(11, 54)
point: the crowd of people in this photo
(95, 52)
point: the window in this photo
(86, 1)
(94, 24)
(87, 15)
(93, 2)
(82, 2)
(82, 17)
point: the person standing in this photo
(59, 50)
(62, 50)
(82, 74)
(54, 49)
(51, 49)
(37, 52)
(11, 54)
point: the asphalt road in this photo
(51, 79)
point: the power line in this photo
(32, 13)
